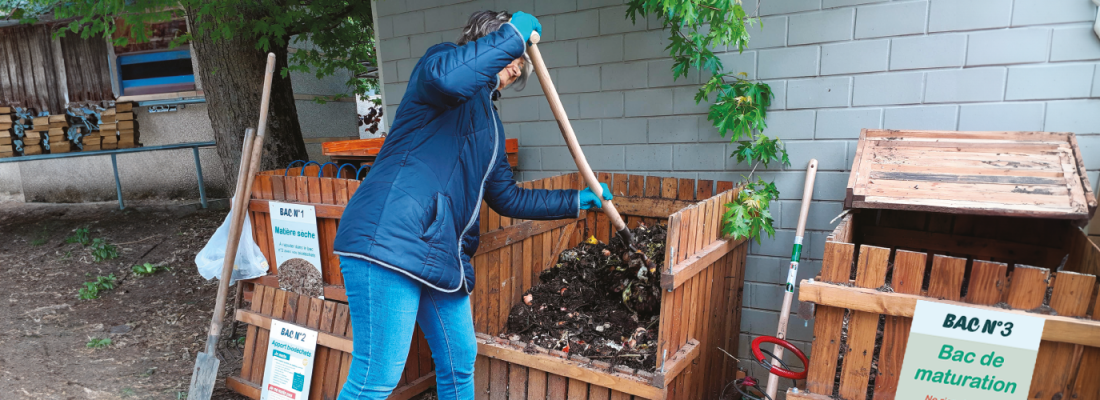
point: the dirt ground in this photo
(156, 323)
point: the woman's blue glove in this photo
(589, 199)
(526, 23)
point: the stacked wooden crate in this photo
(118, 128)
(6, 132)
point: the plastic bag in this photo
(250, 262)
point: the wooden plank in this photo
(251, 335)
(341, 321)
(649, 207)
(498, 379)
(1057, 329)
(562, 370)
(507, 280)
(266, 305)
(578, 390)
(517, 381)
(492, 262)
(947, 277)
(321, 359)
(907, 278)
(1028, 287)
(826, 346)
(1056, 362)
(413, 388)
(988, 280)
(837, 264)
(677, 363)
(325, 339)
(863, 326)
(481, 378)
(688, 268)
(557, 387)
(516, 233)
(536, 384)
(245, 388)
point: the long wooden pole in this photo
(792, 272)
(244, 191)
(571, 137)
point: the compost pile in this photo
(600, 301)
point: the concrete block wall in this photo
(835, 66)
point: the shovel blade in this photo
(204, 377)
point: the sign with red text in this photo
(964, 353)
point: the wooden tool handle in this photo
(788, 297)
(250, 162)
(567, 133)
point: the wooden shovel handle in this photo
(250, 163)
(567, 132)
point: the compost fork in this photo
(575, 148)
(205, 374)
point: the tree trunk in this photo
(232, 72)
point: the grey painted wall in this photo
(836, 66)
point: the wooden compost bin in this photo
(700, 311)
(982, 219)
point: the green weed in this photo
(92, 290)
(101, 251)
(80, 235)
(95, 343)
(147, 269)
(127, 392)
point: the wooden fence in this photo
(998, 263)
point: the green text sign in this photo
(963, 353)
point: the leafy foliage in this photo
(740, 106)
(80, 235)
(97, 343)
(102, 251)
(331, 35)
(147, 269)
(750, 213)
(91, 290)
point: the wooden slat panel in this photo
(557, 387)
(835, 268)
(1056, 362)
(482, 376)
(947, 277)
(1058, 328)
(536, 384)
(908, 276)
(863, 326)
(578, 390)
(498, 379)
(988, 281)
(517, 381)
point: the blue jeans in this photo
(384, 306)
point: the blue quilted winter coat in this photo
(417, 210)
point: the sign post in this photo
(959, 353)
(289, 362)
(294, 231)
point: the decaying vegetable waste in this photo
(601, 301)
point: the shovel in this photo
(205, 374)
(575, 147)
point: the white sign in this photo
(294, 230)
(962, 353)
(289, 362)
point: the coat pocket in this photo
(441, 220)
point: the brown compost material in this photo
(599, 301)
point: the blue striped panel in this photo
(153, 57)
(158, 81)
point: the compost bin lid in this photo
(1031, 174)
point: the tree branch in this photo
(337, 20)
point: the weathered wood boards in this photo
(952, 271)
(1036, 174)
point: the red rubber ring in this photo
(775, 368)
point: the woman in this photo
(407, 236)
